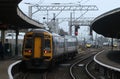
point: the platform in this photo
(4, 64)
(109, 59)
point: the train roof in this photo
(39, 30)
(68, 36)
(54, 34)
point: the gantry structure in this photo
(64, 7)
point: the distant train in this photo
(41, 49)
(88, 45)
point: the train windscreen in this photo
(28, 43)
(47, 44)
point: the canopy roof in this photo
(108, 24)
(11, 17)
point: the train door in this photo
(37, 47)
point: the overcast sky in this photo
(103, 6)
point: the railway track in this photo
(73, 69)
(93, 71)
(33, 76)
(77, 69)
(87, 69)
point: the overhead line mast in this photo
(66, 7)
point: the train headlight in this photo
(46, 51)
(28, 52)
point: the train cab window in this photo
(47, 44)
(28, 43)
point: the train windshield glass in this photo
(28, 43)
(47, 44)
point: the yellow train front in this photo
(37, 49)
(42, 48)
(88, 45)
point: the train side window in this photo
(28, 43)
(47, 44)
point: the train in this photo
(42, 49)
(88, 45)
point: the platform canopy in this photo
(11, 17)
(108, 24)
